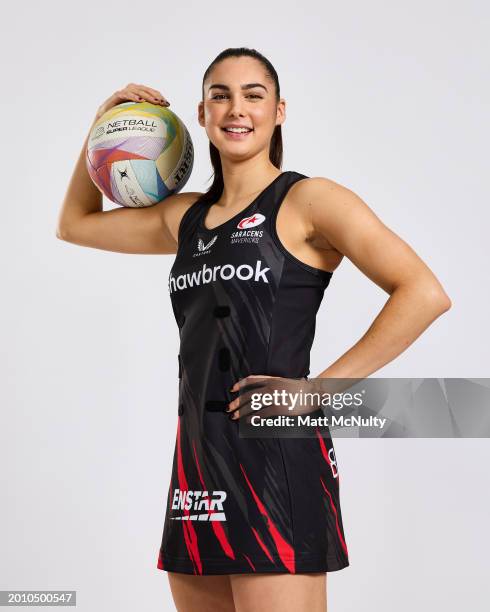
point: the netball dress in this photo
(245, 305)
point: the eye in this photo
(220, 96)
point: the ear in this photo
(200, 113)
(281, 112)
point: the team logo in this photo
(199, 505)
(333, 463)
(203, 248)
(252, 221)
(245, 235)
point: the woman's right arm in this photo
(150, 230)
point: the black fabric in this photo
(245, 305)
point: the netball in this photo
(139, 153)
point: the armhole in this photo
(322, 274)
(184, 219)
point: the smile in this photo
(236, 134)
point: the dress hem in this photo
(306, 564)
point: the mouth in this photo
(237, 134)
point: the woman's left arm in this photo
(416, 299)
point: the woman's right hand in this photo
(133, 93)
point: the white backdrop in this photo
(387, 98)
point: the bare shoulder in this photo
(332, 203)
(315, 198)
(173, 208)
(320, 188)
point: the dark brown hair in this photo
(275, 150)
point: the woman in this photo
(254, 524)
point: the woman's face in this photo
(238, 92)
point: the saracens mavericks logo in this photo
(244, 233)
(252, 221)
(199, 505)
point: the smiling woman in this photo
(254, 255)
(249, 304)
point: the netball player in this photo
(254, 524)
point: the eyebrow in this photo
(246, 86)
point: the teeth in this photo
(238, 130)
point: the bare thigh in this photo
(280, 592)
(201, 593)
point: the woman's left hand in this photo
(282, 396)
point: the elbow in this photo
(431, 295)
(440, 301)
(62, 233)
(446, 304)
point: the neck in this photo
(245, 178)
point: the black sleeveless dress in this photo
(245, 305)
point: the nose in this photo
(236, 106)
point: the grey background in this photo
(389, 99)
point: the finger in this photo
(243, 381)
(249, 385)
(159, 96)
(236, 385)
(152, 94)
(245, 412)
(247, 394)
(150, 98)
(129, 95)
(244, 409)
(150, 90)
(235, 408)
(233, 405)
(241, 401)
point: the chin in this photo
(234, 154)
